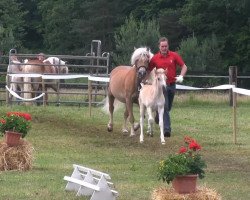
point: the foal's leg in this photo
(161, 113)
(111, 100)
(142, 113)
(150, 121)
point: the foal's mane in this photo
(141, 53)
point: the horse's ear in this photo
(154, 72)
(148, 49)
(134, 48)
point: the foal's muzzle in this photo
(142, 72)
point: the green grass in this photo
(62, 136)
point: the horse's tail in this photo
(117, 105)
(27, 89)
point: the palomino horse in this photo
(151, 98)
(33, 84)
(124, 84)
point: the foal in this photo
(151, 98)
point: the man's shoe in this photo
(167, 134)
(157, 119)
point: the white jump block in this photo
(89, 182)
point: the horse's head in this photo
(14, 65)
(140, 59)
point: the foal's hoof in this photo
(136, 126)
(110, 128)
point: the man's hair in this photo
(162, 39)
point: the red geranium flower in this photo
(183, 150)
(188, 139)
(26, 116)
(2, 121)
(194, 146)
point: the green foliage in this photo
(202, 56)
(134, 34)
(12, 27)
(226, 19)
(187, 162)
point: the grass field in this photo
(62, 136)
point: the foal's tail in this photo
(117, 105)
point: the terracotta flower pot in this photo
(12, 138)
(185, 184)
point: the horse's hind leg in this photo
(111, 100)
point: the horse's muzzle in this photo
(141, 72)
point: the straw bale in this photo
(16, 158)
(202, 193)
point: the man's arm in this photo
(179, 79)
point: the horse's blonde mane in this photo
(138, 53)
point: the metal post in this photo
(90, 96)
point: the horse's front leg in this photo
(161, 113)
(129, 107)
(111, 100)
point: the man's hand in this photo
(179, 79)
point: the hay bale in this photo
(16, 158)
(203, 193)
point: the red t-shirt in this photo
(169, 62)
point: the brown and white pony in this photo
(124, 84)
(15, 67)
(151, 98)
(48, 66)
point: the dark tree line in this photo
(211, 35)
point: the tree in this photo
(203, 57)
(11, 25)
(134, 34)
(228, 19)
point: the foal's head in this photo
(160, 77)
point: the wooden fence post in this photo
(232, 81)
(233, 99)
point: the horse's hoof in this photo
(124, 131)
(136, 126)
(141, 142)
(132, 135)
(163, 143)
(110, 128)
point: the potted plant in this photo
(184, 166)
(15, 125)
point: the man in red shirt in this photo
(168, 60)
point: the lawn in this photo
(62, 136)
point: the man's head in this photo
(163, 45)
(41, 56)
